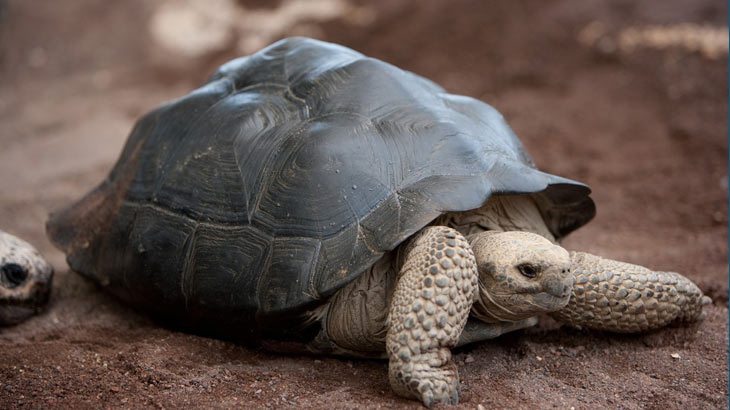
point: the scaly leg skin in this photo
(625, 298)
(436, 288)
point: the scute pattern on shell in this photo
(285, 176)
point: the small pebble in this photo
(676, 356)
(469, 359)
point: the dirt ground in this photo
(645, 126)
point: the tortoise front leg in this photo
(626, 298)
(436, 288)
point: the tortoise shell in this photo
(290, 172)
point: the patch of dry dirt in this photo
(647, 129)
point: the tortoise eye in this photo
(13, 274)
(527, 270)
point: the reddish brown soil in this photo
(647, 130)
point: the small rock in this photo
(469, 359)
(539, 359)
(676, 356)
(480, 407)
(317, 361)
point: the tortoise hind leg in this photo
(436, 288)
(354, 320)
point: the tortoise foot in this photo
(431, 378)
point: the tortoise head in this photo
(25, 280)
(521, 274)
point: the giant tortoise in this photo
(307, 195)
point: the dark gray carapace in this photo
(286, 175)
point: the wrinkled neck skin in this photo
(501, 213)
(487, 309)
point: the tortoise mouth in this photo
(516, 305)
(550, 302)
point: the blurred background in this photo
(627, 96)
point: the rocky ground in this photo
(628, 96)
